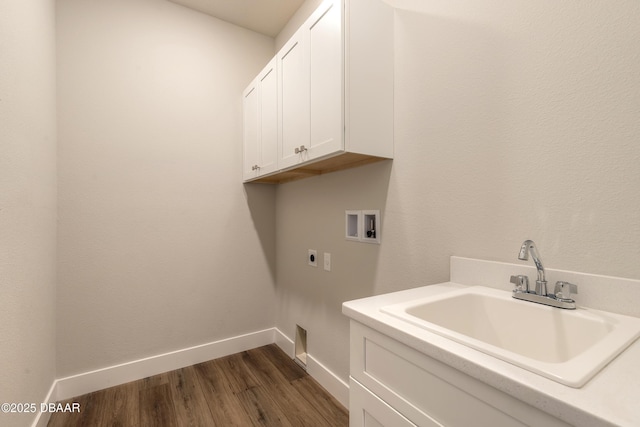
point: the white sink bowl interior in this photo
(567, 346)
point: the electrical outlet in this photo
(327, 261)
(312, 258)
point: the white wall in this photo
(27, 203)
(513, 120)
(159, 247)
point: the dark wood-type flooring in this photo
(259, 387)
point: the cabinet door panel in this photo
(294, 100)
(268, 152)
(250, 131)
(325, 57)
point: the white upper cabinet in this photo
(335, 93)
(260, 110)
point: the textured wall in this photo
(160, 245)
(513, 121)
(27, 204)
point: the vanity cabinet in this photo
(260, 122)
(392, 384)
(334, 92)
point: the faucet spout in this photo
(561, 297)
(529, 247)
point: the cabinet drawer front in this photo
(368, 410)
(419, 386)
(422, 389)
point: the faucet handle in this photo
(521, 282)
(564, 290)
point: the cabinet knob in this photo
(255, 167)
(300, 149)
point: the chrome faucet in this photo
(562, 293)
(528, 247)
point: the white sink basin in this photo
(567, 346)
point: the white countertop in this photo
(611, 398)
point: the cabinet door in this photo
(325, 80)
(251, 138)
(268, 119)
(293, 69)
(260, 124)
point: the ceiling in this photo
(267, 17)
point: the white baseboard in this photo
(88, 382)
(325, 377)
(285, 343)
(42, 418)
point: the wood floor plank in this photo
(190, 405)
(294, 405)
(156, 407)
(261, 408)
(114, 406)
(92, 409)
(321, 400)
(71, 419)
(224, 405)
(262, 366)
(211, 377)
(153, 381)
(288, 368)
(238, 376)
(119, 406)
